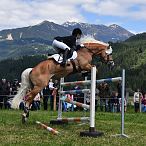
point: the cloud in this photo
(133, 9)
(20, 13)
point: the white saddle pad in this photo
(59, 58)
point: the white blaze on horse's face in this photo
(109, 51)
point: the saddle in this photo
(58, 57)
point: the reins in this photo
(91, 50)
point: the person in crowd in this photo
(4, 92)
(46, 93)
(104, 94)
(64, 104)
(55, 94)
(137, 100)
(36, 102)
(67, 43)
(70, 107)
(143, 103)
(15, 86)
(119, 89)
(125, 104)
(51, 88)
(78, 97)
(113, 102)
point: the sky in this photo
(129, 14)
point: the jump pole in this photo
(53, 131)
(86, 106)
(122, 107)
(60, 101)
(76, 119)
(92, 132)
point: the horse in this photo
(37, 78)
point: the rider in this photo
(67, 43)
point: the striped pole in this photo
(109, 80)
(76, 119)
(53, 131)
(75, 91)
(88, 82)
(68, 100)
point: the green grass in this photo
(13, 133)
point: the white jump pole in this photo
(92, 99)
(122, 106)
(92, 132)
(123, 98)
(60, 101)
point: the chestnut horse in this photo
(38, 77)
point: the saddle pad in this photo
(59, 58)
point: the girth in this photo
(76, 68)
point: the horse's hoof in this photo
(26, 112)
(24, 118)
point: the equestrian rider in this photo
(67, 43)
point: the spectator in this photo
(104, 94)
(78, 97)
(51, 88)
(113, 102)
(46, 92)
(70, 107)
(55, 94)
(119, 89)
(15, 86)
(125, 104)
(4, 92)
(36, 102)
(136, 99)
(143, 106)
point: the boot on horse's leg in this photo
(25, 115)
(64, 57)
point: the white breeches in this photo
(60, 45)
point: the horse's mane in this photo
(91, 39)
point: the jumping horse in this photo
(37, 78)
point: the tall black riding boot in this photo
(64, 57)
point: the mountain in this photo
(37, 39)
(101, 32)
(141, 36)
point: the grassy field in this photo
(13, 133)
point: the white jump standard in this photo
(92, 132)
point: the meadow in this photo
(14, 133)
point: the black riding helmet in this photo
(76, 31)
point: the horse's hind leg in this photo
(28, 100)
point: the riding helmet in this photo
(76, 31)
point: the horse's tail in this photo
(25, 86)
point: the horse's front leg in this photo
(88, 67)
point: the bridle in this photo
(102, 58)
